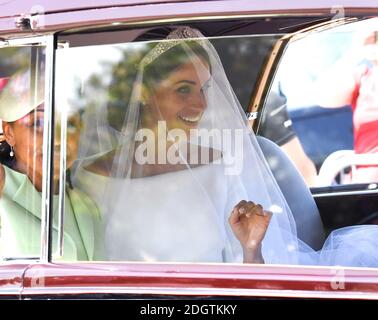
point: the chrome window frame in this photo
(48, 41)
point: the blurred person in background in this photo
(353, 80)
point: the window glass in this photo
(322, 108)
(97, 91)
(161, 166)
(22, 116)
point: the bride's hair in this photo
(171, 59)
(125, 72)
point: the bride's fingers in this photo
(245, 207)
(251, 208)
(240, 205)
(234, 216)
(263, 213)
(235, 213)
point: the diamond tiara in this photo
(174, 38)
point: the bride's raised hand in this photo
(249, 222)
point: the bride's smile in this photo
(191, 119)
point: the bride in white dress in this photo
(187, 181)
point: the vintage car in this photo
(80, 52)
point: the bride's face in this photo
(180, 98)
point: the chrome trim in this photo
(62, 181)
(62, 173)
(174, 267)
(19, 42)
(20, 259)
(48, 149)
(334, 23)
(344, 193)
(27, 41)
(274, 293)
(10, 292)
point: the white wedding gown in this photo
(165, 218)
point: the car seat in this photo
(296, 192)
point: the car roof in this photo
(18, 7)
(54, 16)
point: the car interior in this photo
(317, 211)
(317, 208)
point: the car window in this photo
(96, 91)
(22, 111)
(161, 166)
(323, 97)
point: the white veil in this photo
(173, 203)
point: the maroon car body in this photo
(40, 279)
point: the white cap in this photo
(17, 97)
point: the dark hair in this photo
(173, 58)
(125, 72)
(5, 157)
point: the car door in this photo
(327, 135)
(87, 53)
(128, 279)
(24, 70)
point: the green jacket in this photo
(20, 224)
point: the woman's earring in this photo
(11, 153)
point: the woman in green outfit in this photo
(21, 176)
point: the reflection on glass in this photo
(21, 112)
(105, 85)
(329, 80)
(166, 155)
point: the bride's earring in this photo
(11, 153)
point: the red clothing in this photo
(365, 120)
(365, 110)
(3, 82)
